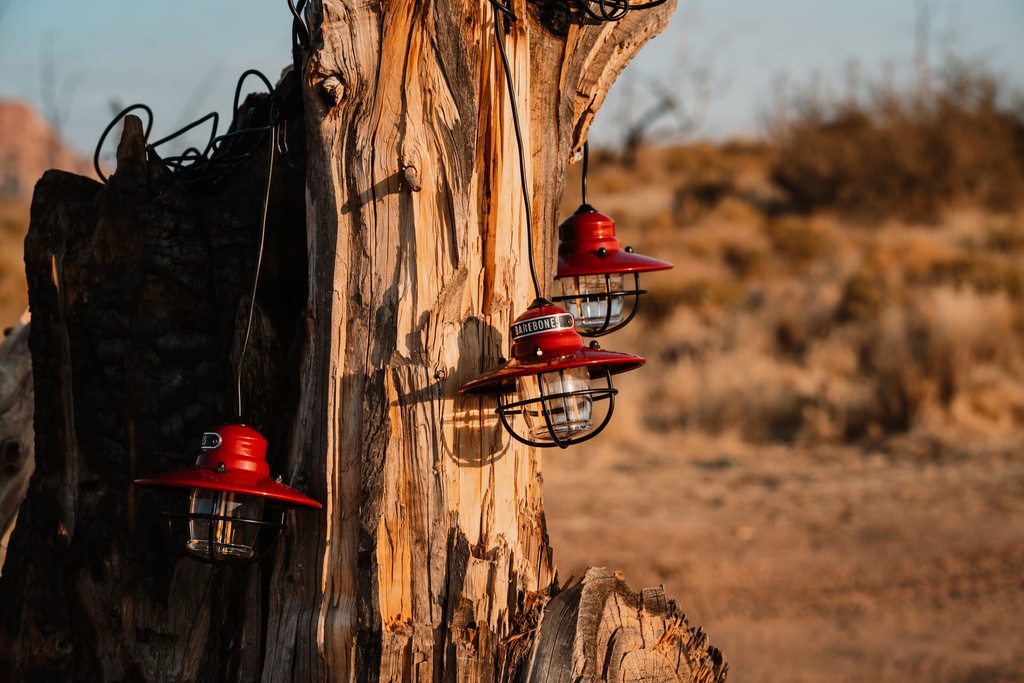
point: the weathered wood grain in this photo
(434, 533)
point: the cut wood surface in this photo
(600, 630)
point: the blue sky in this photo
(79, 60)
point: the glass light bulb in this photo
(592, 314)
(231, 538)
(569, 413)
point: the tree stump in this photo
(395, 263)
(600, 630)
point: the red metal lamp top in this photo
(544, 339)
(233, 458)
(589, 247)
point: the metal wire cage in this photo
(599, 303)
(594, 272)
(550, 380)
(223, 528)
(562, 418)
(229, 486)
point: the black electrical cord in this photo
(259, 263)
(500, 10)
(300, 34)
(222, 153)
(608, 10)
(612, 10)
(218, 158)
(586, 166)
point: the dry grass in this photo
(878, 152)
(837, 336)
(821, 459)
(820, 328)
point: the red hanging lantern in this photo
(549, 379)
(593, 272)
(230, 483)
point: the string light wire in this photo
(300, 33)
(259, 261)
(608, 11)
(221, 155)
(499, 11)
(586, 166)
(613, 10)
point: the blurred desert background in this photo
(822, 461)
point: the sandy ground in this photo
(898, 561)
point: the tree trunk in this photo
(135, 289)
(435, 516)
(430, 560)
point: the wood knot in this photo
(334, 89)
(412, 178)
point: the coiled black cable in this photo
(612, 10)
(222, 153)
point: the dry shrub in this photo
(917, 254)
(992, 401)
(1006, 237)
(814, 329)
(844, 406)
(698, 293)
(799, 313)
(13, 219)
(745, 258)
(943, 348)
(867, 292)
(800, 240)
(683, 333)
(725, 248)
(716, 182)
(704, 180)
(982, 272)
(793, 370)
(742, 391)
(966, 329)
(889, 351)
(904, 154)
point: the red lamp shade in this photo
(229, 484)
(550, 373)
(592, 272)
